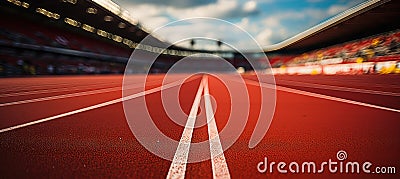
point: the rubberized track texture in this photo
(75, 127)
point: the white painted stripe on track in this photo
(53, 90)
(178, 165)
(78, 94)
(136, 95)
(322, 96)
(218, 161)
(28, 87)
(67, 88)
(106, 90)
(317, 95)
(339, 88)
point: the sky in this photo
(267, 21)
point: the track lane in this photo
(11, 85)
(99, 143)
(27, 112)
(370, 82)
(359, 88)
(95, 143)
(305, 128)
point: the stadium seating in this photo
(382, 47)
(40, 34)
(23, 31)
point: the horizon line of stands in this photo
(22, 62)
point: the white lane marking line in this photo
(53, 90)
(316, 95)
(27, 87)
(178, 165)
(106, 90)
(62, 88)
(78, 94)
(306, 93)
(218, 161)
(391, 85)
(136, 95)
(340, 88)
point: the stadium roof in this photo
(369, 18)
(101, 18)
(104, 15)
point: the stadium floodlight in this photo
(25, 5)
(91, 10)
(240, 70)
(219, 43)
(192, 42)
(47, 13)
(121, 25)
(70, 1)
(72, 22)
(108, 18)
(88, 28)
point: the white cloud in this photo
(250, 6)
(221, 9)
(144, 10)
(335, 9)
(252, 27)
(274, 30)
(244, 23)
(150, 16)
(270, 27)
(173, 3)
(153, 16)
(271, 21)
(217, 30)
(211, 10)
(264, 36)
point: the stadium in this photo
(88, 91)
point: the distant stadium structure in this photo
(98, 37)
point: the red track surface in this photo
(99, 142)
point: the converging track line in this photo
(218, 161)
(99, 91)
(322, 96)
(317, 95)
(339, 88)
(78, 94)
(178, 165)
(45, 91)
(90, 135)
(136, 95)
(27, 88)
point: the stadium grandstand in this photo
(321, 104)
(39, 38)
(42, 38)
(365, 39)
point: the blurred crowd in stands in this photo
(50, 50)
(58, 65)
(22, 54)
(22, 66)
(382, 47)
(20, 30)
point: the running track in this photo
(52, 127)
